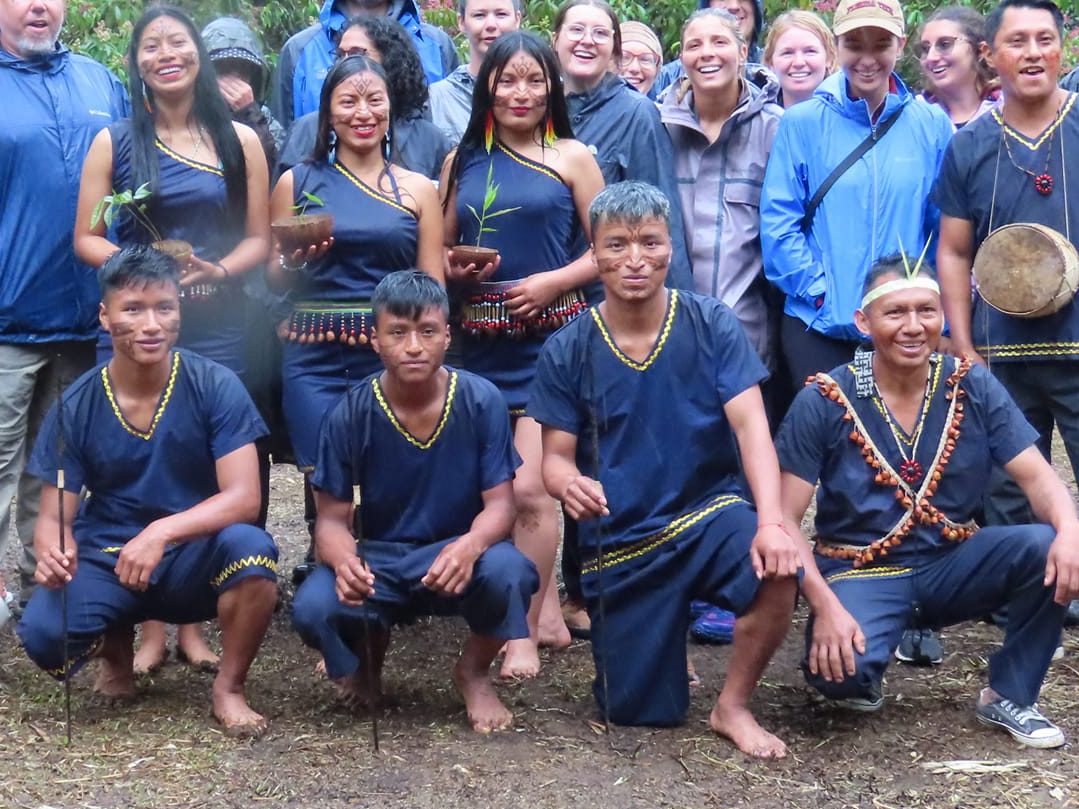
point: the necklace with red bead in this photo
(1043, 183)
(910, 470)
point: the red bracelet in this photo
(778, 525)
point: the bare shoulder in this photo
(246, 135)
(571, 158)
(416, 186)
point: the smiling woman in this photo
(950, 51)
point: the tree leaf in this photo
(143, 191)
(493, 214)
(110, 214)
(99, 209)
(474, 213)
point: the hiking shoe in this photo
(871, 703)
(714, 626)
(920, 647)
(1027, 725)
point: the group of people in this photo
(671, 252)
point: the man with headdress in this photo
(902, 441)
(1011, 166)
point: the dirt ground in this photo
(923, 750)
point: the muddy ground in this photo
(166, 752)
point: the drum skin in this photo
(1026, 270)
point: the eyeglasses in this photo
(944, 46)
(344, 53)
(645, 60)
(575, 33)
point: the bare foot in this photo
(738, 725)
(354, 692)
(691, 672)
(235, 715)
(152, 653)
(114, 683)
(320, 666)
(191, 648)
(552, 631)
(486, 712)
(521, 661)
(576, 617)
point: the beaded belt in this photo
(319, 321)
(199, 292)
(484, 313)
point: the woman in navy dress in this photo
(519, 139)
(208, 186)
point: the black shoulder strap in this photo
(841, 169)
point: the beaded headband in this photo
(911, 281)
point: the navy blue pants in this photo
(997, 567)
(640, 644)
(184, 589)
(494, 603)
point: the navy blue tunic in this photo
(191, 204)
(666, 449)
(137, 477)
(417, 491)
(374, 235)
(535, 238)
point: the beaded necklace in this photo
(910, 470)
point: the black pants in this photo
(807, 352)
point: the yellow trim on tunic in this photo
(165, 397)
(653, 541)
(672, 305)
(531, 164)
(112, 549)
(869, 573)
(1029, 350)
(360, 184)
(1032, 145)
(188, 162)
(451, 390)
(63, 671)
(233, 568)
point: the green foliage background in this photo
(102, 28)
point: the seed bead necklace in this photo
(1043, 183)
(910, 470)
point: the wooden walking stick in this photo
(63, 545)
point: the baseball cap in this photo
(886, 14)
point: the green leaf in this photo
(489, 197)
(473, 210)
(312, 198)
(487, 230)
(143, 191)
(123, 198)
(110, 214)
(493, 214)
(99, 209)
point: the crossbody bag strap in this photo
(841, 169)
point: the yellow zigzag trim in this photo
(160, 408)
(528, 164)
(652, 542)
(360, 184)
(188, 162)
(63, 671)
(870, 573)
(248, 561)
(1045, 135)
(663, 335)
(400, 428)
(112, 549)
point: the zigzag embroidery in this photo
(240, 564)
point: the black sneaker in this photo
(870, 703)
(920, 647)
(1027, 725)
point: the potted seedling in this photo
(134, 202)
(303, 229)
(465, 254)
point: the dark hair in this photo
(491, 69)
(893, 265)
(462, 6)
(409, 293)
(629, 202)
(342, 69)
(209, 110)
(137, 266)
(972, 26)
(401, 63)
(996, 16)
(602, 5)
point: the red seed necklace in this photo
(1043, 183)
(910, 470)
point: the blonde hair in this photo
(807, 21)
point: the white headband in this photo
(917, 282)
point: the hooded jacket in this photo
(671, 72)
(308, 56)
(229, 38)
(622, 129)
(880, 203)
(451, 103)
(53, 108)
(720, 187)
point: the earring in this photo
(549, 136)
(146, 97)
(331, 155)
(387, 147)
(489, 131)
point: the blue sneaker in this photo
(714, 626)
(698, 608)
